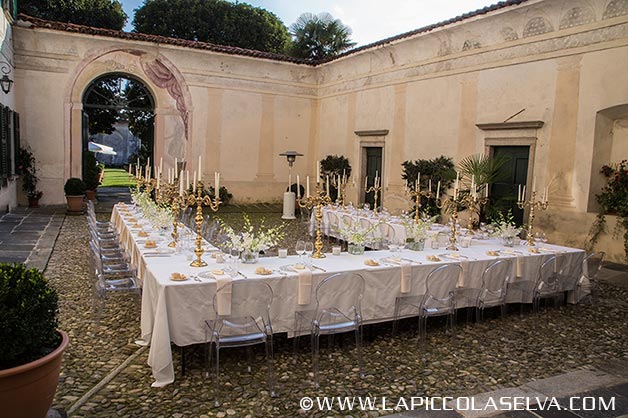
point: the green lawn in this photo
(117, 177)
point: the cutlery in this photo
(319, 268)
(242, 274)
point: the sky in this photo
(370, 20)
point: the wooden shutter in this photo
(16, 140)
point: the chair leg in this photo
(315, 354)
(358, 348)
(217, 380)
(396, 318)
(271, 365)
(295, 341)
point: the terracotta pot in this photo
(75, 203)
(33, 202)
(27, 391)
(91, 194)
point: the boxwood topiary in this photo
(28, 316)
(74, 187)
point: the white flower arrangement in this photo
(417, 230)
(355, 232)
(251, 239)
(159, 216)
(504, 226)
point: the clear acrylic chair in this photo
(439, 299)
(492, 293)
(247, 324)
(387, 234)
(337, 309)
(333, 221)
(588, 282)
(548, 283)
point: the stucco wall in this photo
(8, 191)
(555, 61)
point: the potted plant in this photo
(26, 167)
(32, 347)
(74, 192)
(91, 175)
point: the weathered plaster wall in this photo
(561, 62)
(8, 191)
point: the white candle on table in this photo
(418, 180)
(298, 187)
(429, 185)
(217, 179)
(130, 169)
(200, 170)
(187, 179)
(318, 171)
(344, 174)
(519, 194)
(194, 182)
(486, 190)
(289, 181)
(523, 193)
(307, 187)
(327, 185)
(366, 180)
(534, 184)
(181, 184)
(161, 164)
(438, 189)
(148, 162)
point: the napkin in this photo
(406, 276)
(465, 270)
(223, 299)
(519, 267)
(305, 287)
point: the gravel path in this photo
(489, 355)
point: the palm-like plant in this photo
(319, 36)
(484, 168)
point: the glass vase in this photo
(415, 245)
(356, 249)
(250, 257)
(509, 241)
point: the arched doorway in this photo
(118, 112)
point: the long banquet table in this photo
(175, 311)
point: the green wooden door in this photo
(373, 166)
(513, 173)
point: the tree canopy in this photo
(319, 36)
(216, 21)
(97, 13)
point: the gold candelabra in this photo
(416, 195)
(533, 204)
(451, 205)
(196, 198)
(377, 187)
(474, 203)
(342, 193)
(318, 200)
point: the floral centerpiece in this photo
(416, 231)
(159, 216)
(356, 234)
(250, 240)
(504, 227)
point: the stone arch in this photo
(577, 16)
(610, 145)
(615, 8)
(173, 103)
(537, 26)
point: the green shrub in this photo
(28, 316)
(91, 171)
(74, 187)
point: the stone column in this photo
(562, 143)
(468, 116)
(76, 143)
(265, 153)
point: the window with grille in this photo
(9, 142)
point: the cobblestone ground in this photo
(490, 355)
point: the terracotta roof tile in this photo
(71, 27)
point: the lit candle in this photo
(194, 182)
(438, 189)
(217, 181)
(200, 172)
(181, 183)
(307, 187)
(298, 187)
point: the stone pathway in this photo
(600, 392)
(29, 235)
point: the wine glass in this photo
(234, 255)
(300, 249)
(309, 249)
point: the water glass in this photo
(309, 249)
(300, 249)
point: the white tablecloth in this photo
(175, 311)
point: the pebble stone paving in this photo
(490, 355)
